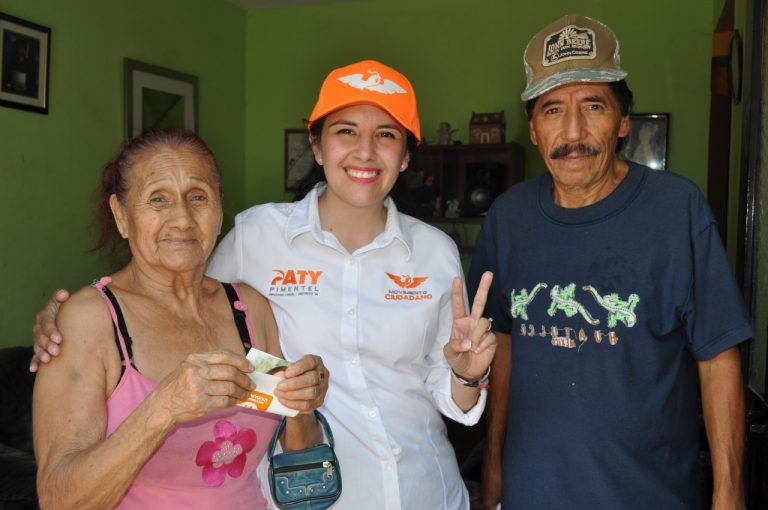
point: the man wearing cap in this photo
(611, 291)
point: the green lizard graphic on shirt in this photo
(562, 299)
(521, 301)
(617, 309)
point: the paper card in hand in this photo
(268, 373)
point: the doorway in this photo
(752, 260)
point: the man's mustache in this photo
(578, 148)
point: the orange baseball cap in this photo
(369, 82)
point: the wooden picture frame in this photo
(647, 140)
(156, 97)
(299, 158)
(25, 48)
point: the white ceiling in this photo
(261, 4)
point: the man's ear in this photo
(119, 214)
(624, 126)
(532, 133)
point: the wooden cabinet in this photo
(457, 183)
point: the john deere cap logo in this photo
(570, 43)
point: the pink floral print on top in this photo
(225, 455)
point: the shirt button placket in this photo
(349, 326)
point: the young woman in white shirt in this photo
(376, 293)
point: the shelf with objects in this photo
(452, 186)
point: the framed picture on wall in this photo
(647, 140)
(298, 157)
(25, 48)
(156, 97)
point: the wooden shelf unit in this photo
(439, 173)
(454, 171)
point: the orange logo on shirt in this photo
(407, 281)
(295, 277)
(407, 288)
(295, 282)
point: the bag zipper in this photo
(328, 465)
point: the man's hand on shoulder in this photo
(46, 337)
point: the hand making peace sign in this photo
(472, 345)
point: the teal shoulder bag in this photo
(308, 479)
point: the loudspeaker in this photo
(483, 182)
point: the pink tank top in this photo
(208, 463)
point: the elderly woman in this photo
(138, 411)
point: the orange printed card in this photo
(267, 374)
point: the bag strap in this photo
(279, 431)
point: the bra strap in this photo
(239, 310)
(118, 321)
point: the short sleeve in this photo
(485, 258)
(715, 317)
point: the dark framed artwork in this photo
(26, 49)
(647, 140)
(299, 157)
(156, 97)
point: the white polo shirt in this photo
(379, 317)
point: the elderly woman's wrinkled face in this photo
(172, 214)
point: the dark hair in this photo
(316, 174)
(621, 92)
(115, 179)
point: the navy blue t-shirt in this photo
(608, 306)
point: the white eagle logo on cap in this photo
(372, 82)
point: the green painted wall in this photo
(49, 164)
(465, 57)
